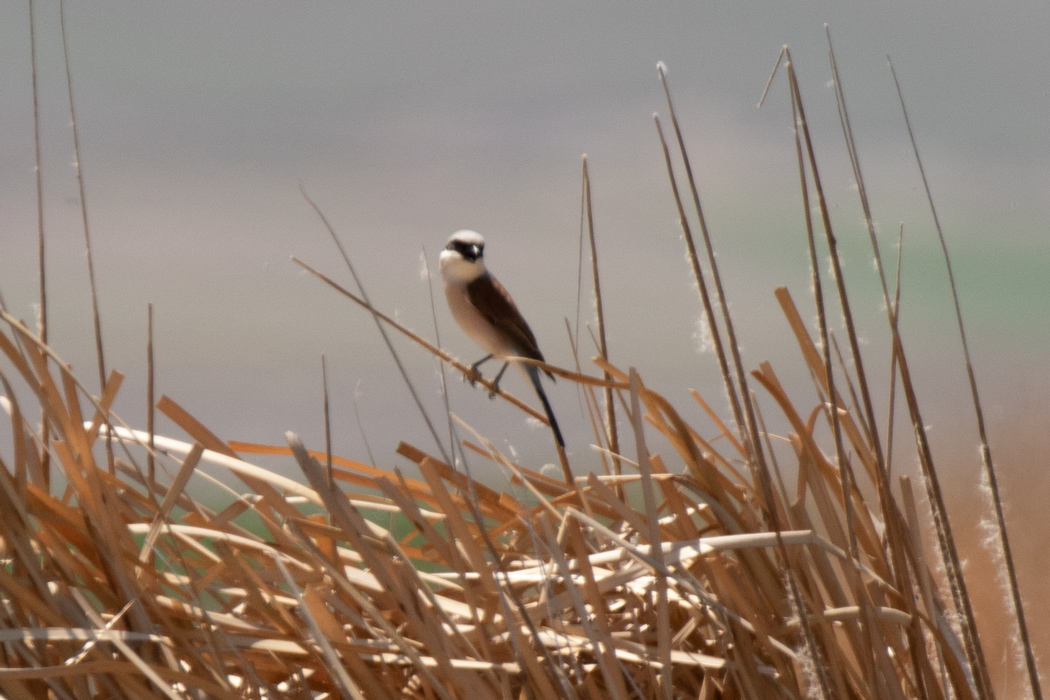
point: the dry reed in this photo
(122, 586)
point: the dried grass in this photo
(120, 586)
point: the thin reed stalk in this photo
(612, 431)
(41, 240)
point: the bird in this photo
(488, 315)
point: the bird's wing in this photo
(494, 303)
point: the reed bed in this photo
(680, 570)
(119, 586)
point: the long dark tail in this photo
(534, 375)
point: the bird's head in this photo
(463, 257)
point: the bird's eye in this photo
(467, 250)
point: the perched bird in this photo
(486, 313)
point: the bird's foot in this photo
(472, 375)
(495, 382)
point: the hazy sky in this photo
(406, 121)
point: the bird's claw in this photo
(472, 375)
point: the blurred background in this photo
(405, 122)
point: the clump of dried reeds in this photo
(682, 571)
(116, 585)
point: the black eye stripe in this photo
(470, 251)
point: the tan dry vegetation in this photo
(120, 586)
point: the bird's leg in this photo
(474, 375)
(495, 382)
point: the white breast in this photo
(457, 273)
